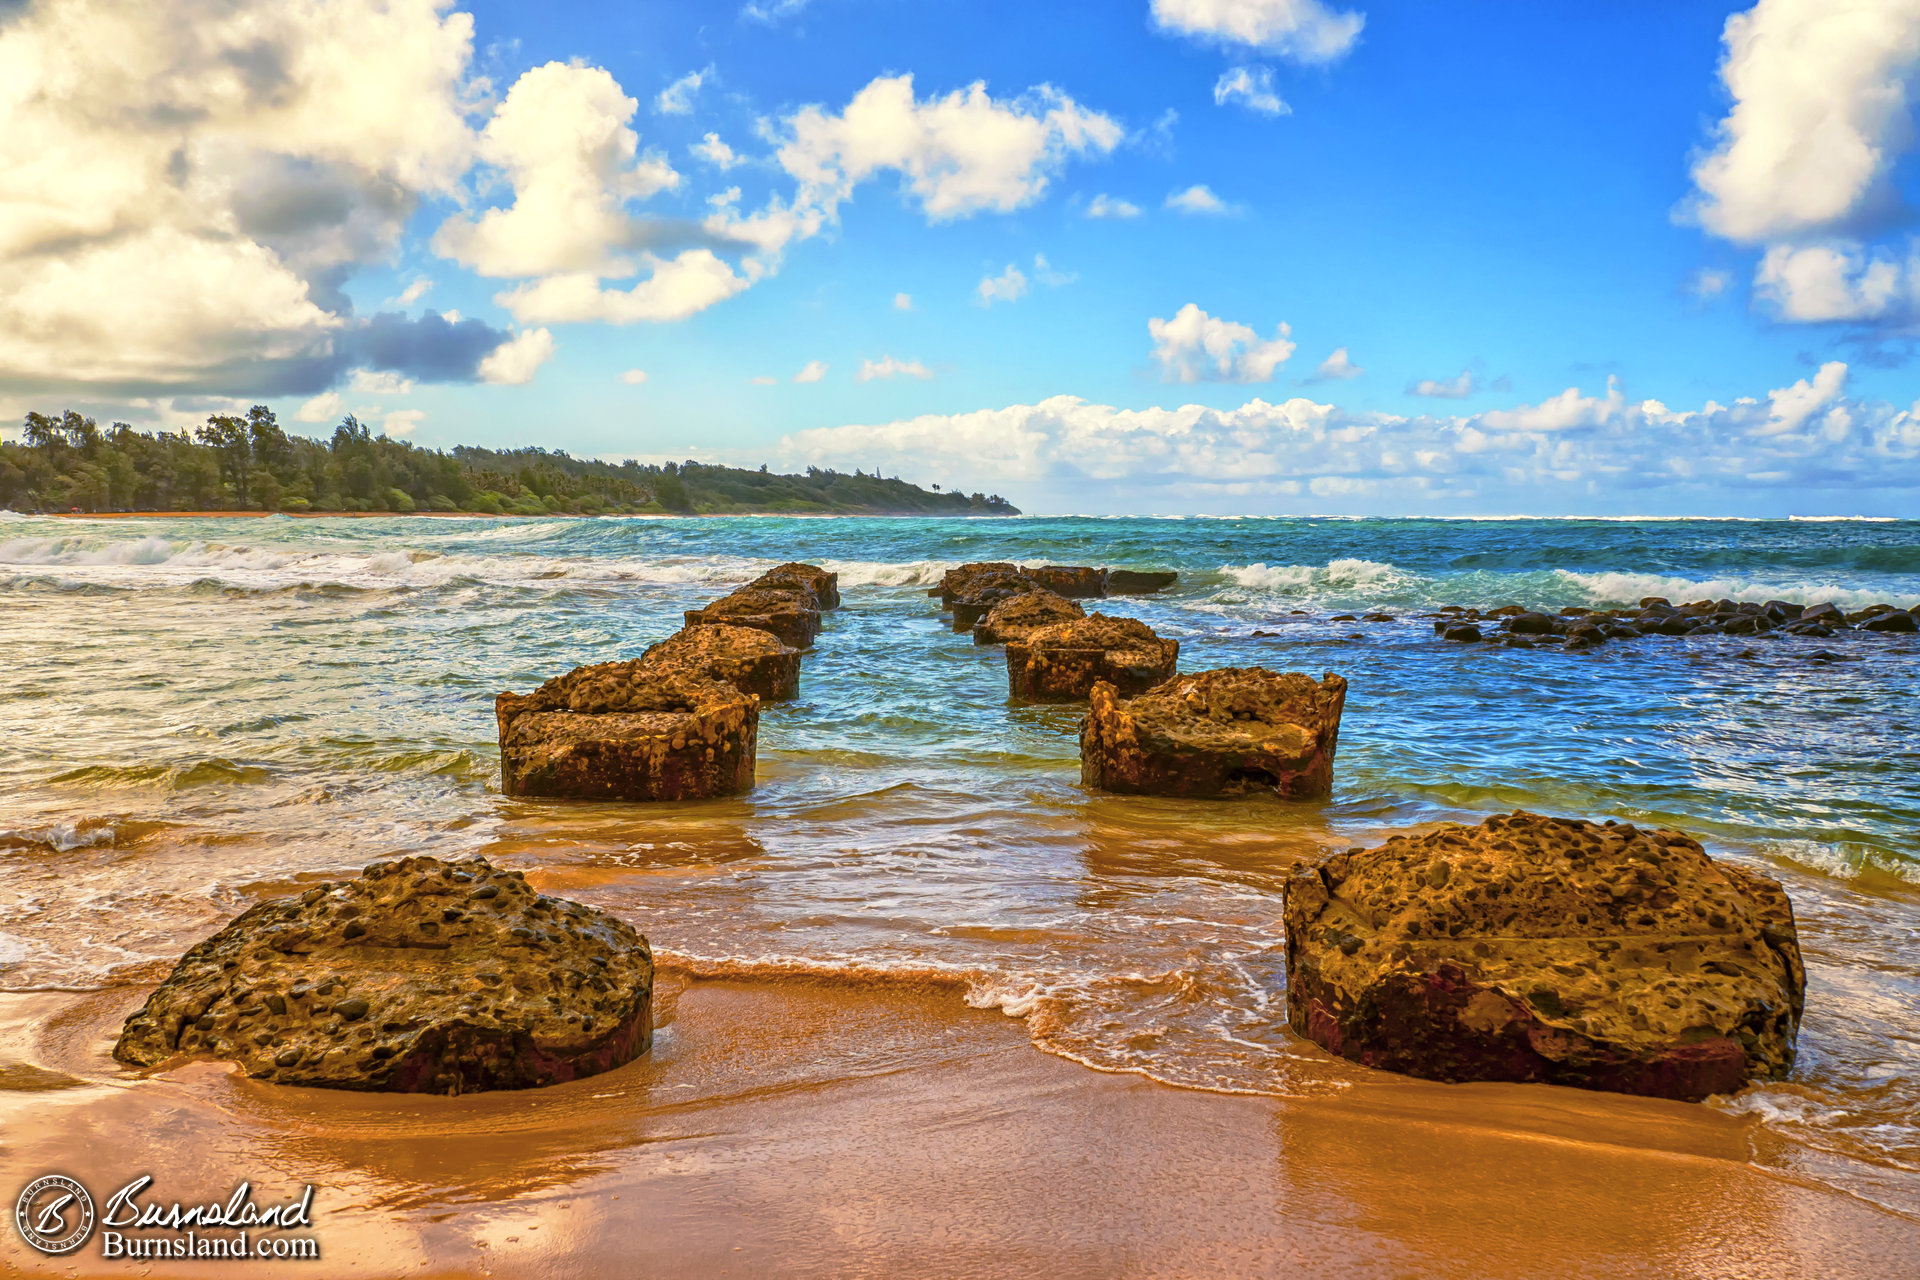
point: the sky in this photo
(1135, 256)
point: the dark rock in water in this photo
(789, 616)
(954, 582)
(1379, 617)
(751, 661)
(1531, 624)
(1063, 662)
(418, 976)
(1779, 611)
(1655, 602)
(1135, 582)
(1461, 633)
(1827, 614)
(1585, 633)
(1019, 617)
(793, 576)
(1216, 733)
(1343, 617)
(1895, 620)
(982, 592)
(1859, 616)
(1675, 626)
(1075, 582)
(1546, 949)
(626, 731)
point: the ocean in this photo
(200, 712)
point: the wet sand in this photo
(830, 1129)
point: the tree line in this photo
(248, 462)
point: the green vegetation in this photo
(68, 463)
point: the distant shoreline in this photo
(507, 515)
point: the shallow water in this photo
(197, 713)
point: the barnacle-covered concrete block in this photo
(954, 582)
(794, 576)
(1216, 733)
(1063, 662)
(1075, 582)
(751, 661)
(1020, 616)
(984, 591)
(625, 731)
(788, 616)
(417, 976)
(1547, 949)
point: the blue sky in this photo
(1461, 259)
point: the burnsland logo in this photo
(56, 1216)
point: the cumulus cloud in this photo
(1297, 451)
(324, 407)
(715, 152)
(1446, 388)
(764, 380)
(634, 377)
(380, 383)
(676, 288)
(1301, 30)
(677, 98)
(1105, 206)
(1009, 286)
(1197, 347)
(515, 362)
(401, 422)
(1709, 283)
(190, 182)
(414, 291)
(814, 371)
(903, 302)
(957, 155)
(1835, 282)
(1338, 367)
(771, 11)
(1199, 199)
(1252, 88)
(887, 367)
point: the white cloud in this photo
(888, 367)
(678, 287)
(771, 11)
(1820, 113)
(903, 302)
(715, 152)
(1302, 30)
(402, 422)
(514, 362)
(187, 182)
(1338, 367)
(324, 407)
(1446, 388)
(634, 377)
(560, 138)
(1105, 206)
(1199, 199)
(959, 155)
(764, 380)
(1196, 347)
(380, 383)
(815, 370)
(1009, 286)
(1252, 88)
(1834, 282)
(414, 291)
(1709, 283)
(677, 98)
(1046, 275)
(1549, 457)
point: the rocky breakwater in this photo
(789, 616)
(417, 976)
(1019, 617)
(628, 731)
(1575, 627)
(751, 661)
(1216, 733)
(1547, 949)
(1063, 662)
(981, 593)
(793, 576)
(969, 582)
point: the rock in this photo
(751, 661)
(1379, 617)
(1062, 662)
(1135, 582)
(1020, 616)
(1216, 733)
(1530, 624)
(789, 616)
(625, 731)
(1859, 616)
(794, 576)
(1461, 633)
(1655, 602)
(408, 979)
(954, 582)
(1075, 582)
(1892, 621)
(982, 592)
(1826, 614)
(1547, 949)
(1779, 611)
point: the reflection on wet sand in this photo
(839, 1128)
